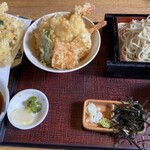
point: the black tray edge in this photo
(3, 125)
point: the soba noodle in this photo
(135, 40)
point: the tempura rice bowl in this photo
(29, 42)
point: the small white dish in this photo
(29, 46)
(18, 102)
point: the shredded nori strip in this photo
(128, 120)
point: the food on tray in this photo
(11, 35)
(135, 40)
(33, 105)
(27, 114)
(130, 120)
(62, 41)
(126, 119)
(22, 116)
(95, 116)
(129, 117)
(104, 122)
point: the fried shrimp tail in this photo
(87, 8)
(3, 7)
(98, 26)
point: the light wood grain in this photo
(34, 9)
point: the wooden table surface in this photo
(34, 9)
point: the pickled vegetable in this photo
(33, 105)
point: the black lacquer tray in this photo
(63, 127)
(114, 66)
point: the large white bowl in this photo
(18, 102)
(29, 41)
(5, 93)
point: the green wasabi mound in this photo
(104, 122)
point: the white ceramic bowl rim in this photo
(5, 93)
(35, 61)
